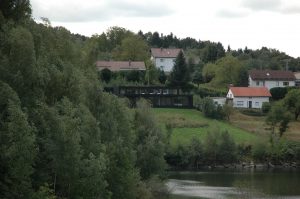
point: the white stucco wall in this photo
(243, 102)
(166, 64)
(219, 100)
(269, 84)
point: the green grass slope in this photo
(189, 123)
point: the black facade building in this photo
(159, 96)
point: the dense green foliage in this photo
(61, 136)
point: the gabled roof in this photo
(165, 52)
(271, 75)
(120, 65)
(250, 92)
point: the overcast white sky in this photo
(239, 23)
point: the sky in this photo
(238, 23)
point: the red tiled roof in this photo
(271, 75)
(250, 92)
(120, 65)
(165, 52)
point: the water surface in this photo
(235, 184)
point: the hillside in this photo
(189, 123)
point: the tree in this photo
(162, 77)
(106, 75)
(278, 93)
(15, 9)
(152, 73)
(179, 75)
(134, 48)
(228, 110)
(229, 71)
(226, 149)
(292, 102)
(17, 147)
(209, 72)
(196, 152)
(197, 77)
(278, 118)
(150, 142)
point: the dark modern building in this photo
(159, 96)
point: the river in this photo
(244, 184)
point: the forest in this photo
(61, 136)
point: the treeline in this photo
(60, 135)
(207, 62)
(218, 149)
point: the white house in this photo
(297, 76)
(248, 97)
(164, 58)
(271, 78)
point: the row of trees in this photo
(60, 135)
(219, 148)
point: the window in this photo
(285, 83)
(240, 103)
(277, 83)
(257, 83)
(161, 60)
(257, 104)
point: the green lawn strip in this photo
(184, 135)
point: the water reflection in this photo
(236, 184)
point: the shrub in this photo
(259, 152)
(211, 110)
(266, 106)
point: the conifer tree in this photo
(180, 75)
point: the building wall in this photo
(269, 84)
(219, 100)
(166, 64)
(243, 102)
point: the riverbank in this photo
(241, 166)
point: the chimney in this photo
(161, 49)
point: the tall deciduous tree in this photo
(278, 118)
(179, 75)
(17, 147)
(15, 9)
(134, 48)
(150, 142)
(292, 102)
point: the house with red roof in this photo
(248, 97)
(271, 78)
(121, 65)
(164, 58)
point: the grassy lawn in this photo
(258, 126)
(189, 123)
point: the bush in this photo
(259, 152)
(211, 110)
(266, 107)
